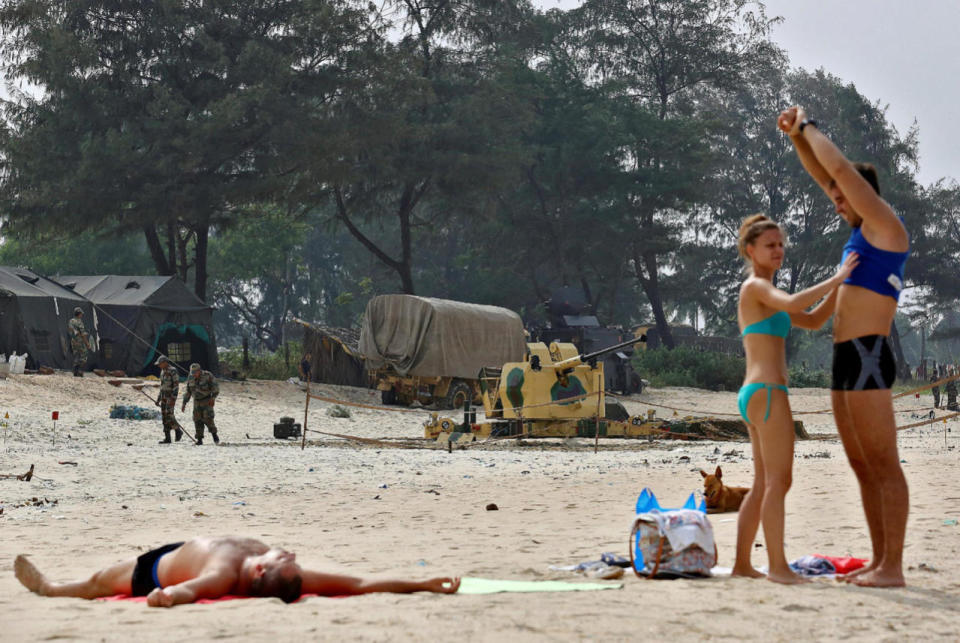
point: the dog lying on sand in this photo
(721, 498)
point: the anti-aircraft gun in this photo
(572, 320)
(554, 392)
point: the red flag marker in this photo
(56, 415)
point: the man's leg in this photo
(869, 486)
(874, 426)
(208, 420)
(115, 579)
(198, 424)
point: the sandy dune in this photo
(417, 512)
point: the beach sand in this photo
(420, 512)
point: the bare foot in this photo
(787, 578)
(29, 575)
(880, 578)
(747, 571)
(848, 578)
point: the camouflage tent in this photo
(140, 317)
(34, 312)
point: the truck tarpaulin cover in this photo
(437, 337)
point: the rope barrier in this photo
(357, 438)
(519, 410)
(364, 406)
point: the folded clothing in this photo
(821, 565)
(844, 564)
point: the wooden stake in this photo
(306, 408)
(596, 436)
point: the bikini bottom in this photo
(747, 391)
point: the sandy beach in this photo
(420, 512)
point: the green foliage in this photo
(690, 367)
(80, 254)
(714, 371)
(801, 377)
(264, 365)
(314, 153)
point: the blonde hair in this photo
(751, 228)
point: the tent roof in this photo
(26, 283)
(163, 292)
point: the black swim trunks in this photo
(145, 572)
(863, 363)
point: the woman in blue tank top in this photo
(864, 366)
(765, 314)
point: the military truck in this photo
(431, 351)
(572, 320)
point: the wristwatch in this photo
(808, 121)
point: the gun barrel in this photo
(580, 359)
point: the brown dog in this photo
(720, 498)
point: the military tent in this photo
(141, 317)
(34, 312)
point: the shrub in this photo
(686, 366)
(263, 366)
(801, 377)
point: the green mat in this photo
(491, 586)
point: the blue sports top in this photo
(777, 324)
(879, 270)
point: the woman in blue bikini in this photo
(766, 314)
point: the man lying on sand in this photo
(214, 567)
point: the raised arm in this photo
(777, 299)
(856, 190)
(339, 585)
(787, 122)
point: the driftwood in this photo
(24, 477)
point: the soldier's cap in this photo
(78, 310)
(161, 360)
(194, 368)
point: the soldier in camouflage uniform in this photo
(167, 400)
(79, 341)
(203, 388)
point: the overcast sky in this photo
(906, 55)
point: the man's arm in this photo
(212, 584)
(340, 585)
(787, 123)
(861, 195)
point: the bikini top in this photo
(879, 270)
(777, 324)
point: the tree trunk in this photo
(903, 369)
(651, 288)
(200, 261)
(172, 246)
(160, 262)
(245, 364)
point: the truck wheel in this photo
(458, 394)
(388, 397)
